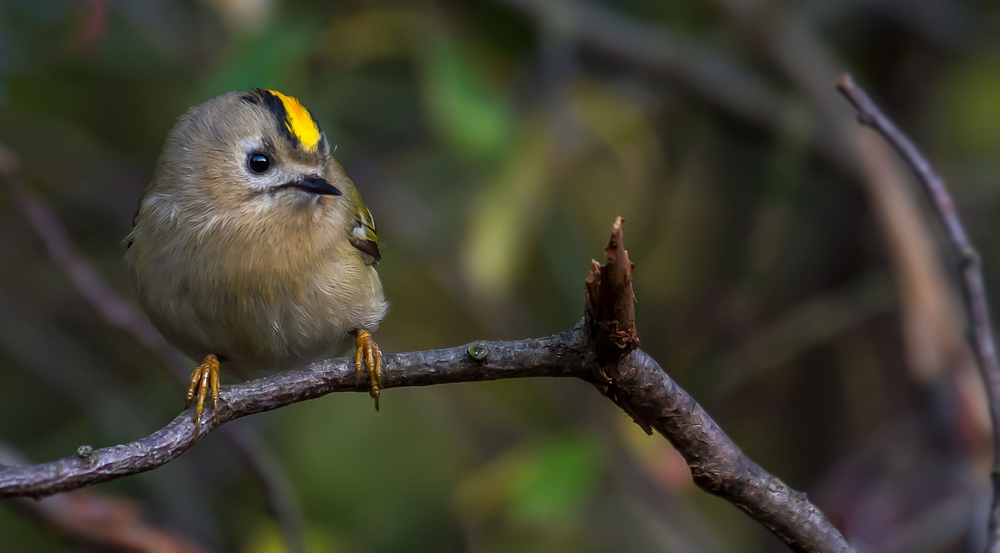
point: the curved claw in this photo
(368, 358)
(204, 378)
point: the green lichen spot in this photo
(477, 352)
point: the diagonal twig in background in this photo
(90, 519)
(971, 269)
(709, 72)
(930, 319)
(277, 488)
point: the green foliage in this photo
(468, 111)
(554, 482)
(972, 108)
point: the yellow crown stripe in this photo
(299, 122)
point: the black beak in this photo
(316, 185)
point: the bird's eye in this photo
(258, 162)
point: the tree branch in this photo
(558, 355)
(121, 313)
(103, 522)
(971, 269)
(631, 378)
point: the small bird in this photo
(251, 248)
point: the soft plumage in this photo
(266, 270)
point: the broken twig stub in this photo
(610, 302)
(610, 317)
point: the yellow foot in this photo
(204, 377)
(369, 357)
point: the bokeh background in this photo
(787, 272)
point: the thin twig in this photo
(929, 310)
(971, 268)
(278, 493)
(91, 519)
(82, 274)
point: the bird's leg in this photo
(204, 378)
(368, 358)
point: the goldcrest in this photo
(251, 248)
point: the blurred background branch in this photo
(118, 312)
(970, 267)
(92, 520)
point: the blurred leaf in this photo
(505, 212)
(554, 481)
(379, 478)
(370, 35)
(273, 59)
(621, 126)
(244, 16)
(535, 485)
(465, 109)
(971, 108)
(267, 539)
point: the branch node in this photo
(969, 257)
(477, 352)
(610, 317)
